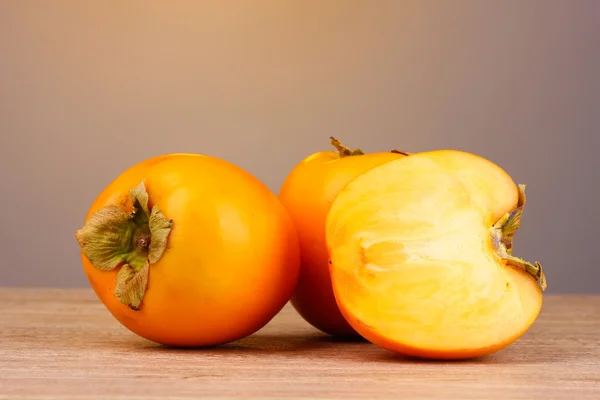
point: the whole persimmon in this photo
(421, 256)
(190, 250)
(307, 193)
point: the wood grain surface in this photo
(63, 344)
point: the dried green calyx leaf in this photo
(510, 222)
(160, 228)
(346, 151)
(106, 237)
(131, 285)
(343, 150)
(503, 233)
(139, 198)
(111, 237)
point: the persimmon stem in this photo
(144, 242)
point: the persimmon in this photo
(421, 256)
(190, 250)
(307, 193)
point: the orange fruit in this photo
(421, 256)
(190, 250)
(307, 193)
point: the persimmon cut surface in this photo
(421, 256)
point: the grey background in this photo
(88, 88)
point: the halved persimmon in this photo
(421, 256)
(307, 194)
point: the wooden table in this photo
(63, 344)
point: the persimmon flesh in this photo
(307, 193)
(421, 257)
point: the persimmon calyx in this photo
(346, 151)
(343, 150)
(112, 238)
(503, 233)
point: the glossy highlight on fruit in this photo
(421, 253)
(190, 250)
(307, 194)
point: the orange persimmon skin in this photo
(232, 258)
(307, 194)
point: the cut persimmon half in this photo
(421, 256)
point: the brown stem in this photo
(144, 242)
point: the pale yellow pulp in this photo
(412, 256)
